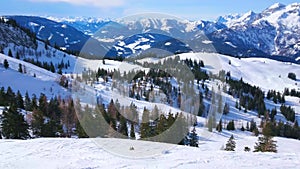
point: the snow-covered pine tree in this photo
(230, 145)
(194, 138)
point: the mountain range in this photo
(273, 33)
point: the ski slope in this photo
(84, 153)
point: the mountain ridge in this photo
(272, 33)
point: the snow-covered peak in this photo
(227, 19)
(276, 6)
(244, 19)
(279, 14)
(77, 19)
(161, 23)
(248, 16)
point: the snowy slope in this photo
(84, 153)
(45, 82)
(262, 72)
(42, 54)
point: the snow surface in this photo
(262, 72)
(207, 42)
(45, 82)
(230, 44)
(99, 153)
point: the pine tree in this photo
(2, 97)
(33, 102)
(10, 53)
(19, 101)
(247, 126)
(219, 126)
(252, 125)
(10, 96)
(145, 128)
(230, 125)
(194, 138)
(123, 127)
(69, 117)
(255, 131)
(17, 55)
(273, 114)
(265, 144)
(226, 108)
(52, 68)
(50, 129)
(20, 68)
(43, 104)
(27, 102)
(59, 71)
(230, 145)
(80, 131)
(155, 113)
(242, 128)
(6, 64)
(37, 122)
(201, 105)
(236, 104)
(13, 124)
(112, 111)
(132, 132)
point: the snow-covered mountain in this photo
(128, 31)
(58, 34)
(87, 25)
(274, 31)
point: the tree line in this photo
(57, 117)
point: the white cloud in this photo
(97, 3)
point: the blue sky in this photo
(188, 9)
